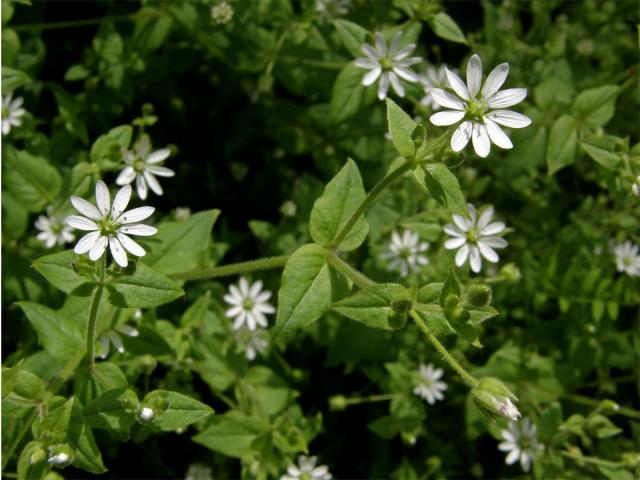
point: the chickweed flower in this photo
(635, 188)
(332, 8)
(198, 471)
(12, 112)
(248, 304)
(60, 455)
(307, 470)
(430, 387)
(433, 77)
(475, 238)
(146, 415)
(252, 341)
(388, 64)
(53, 230)
(627, 258)
(222, 13)
(405, 253)
(112, 336)
(110, 224)
(481, 111)
(520, 440)
(143, 167)
(494, 398)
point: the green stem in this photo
(234, 268)
(357, 277)
(382, 397)
(592, 460)
(310, 62)
(466, 376)
(83, 22)
(371, 196)
(582, 400)
(93, 315)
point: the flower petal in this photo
(141, 187)
(370, 52)
(371, 76)
(118, 252)
(497, 135)
(453, 243)
(474, 259)
(445, 99)
(121, 201)
(461, 136)
(97, 249)
(367, 63)
(447, 117)
(153, 183)
(126, 176)
(481, 142)
(138, 229)
(405, 74)
(136, 215)
(507, 98)
(510, 119)
(81, 223)
(103, 199)
(462, 254)
(395, 83)
(453, 231)
(474, 74)
(404, 52)
(381, 45)
(131, 246)
(86, 242)
(457, 84)
(495, 80)
(85, 208)
(485, 217)
(383, 86)
(492, 228)
(488, 252)
(158, 156)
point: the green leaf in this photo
(435, 319)
(28, 392)
(194, 315)
(143, 288)
(353, 36)
(389, 426)
(561, 149)
(31, 179)
(180, 411)
(595, 107)
(59, 336)
(104, 376)
(306, 289)
(600, 426)
(371, 306)
(87, 454)
(341, 197)
(549, 422)
(27, 471)
(178, 247)
(443, 186)
(267, 393)
(450, 287)
(9, 376)
(232, 433)
(56, 423)
(349, 96)
(13, 79)
(58, 269)
(445, 27)
(109, 146)
(607, 159)
(107, 412)
(401, 128)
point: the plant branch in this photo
(466, 376)
(84, 22)
(233, 268)
(357, 277)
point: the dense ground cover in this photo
(315, 238)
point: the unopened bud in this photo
(451, 301)
(289, 208)
(608, 407)
(460, 315)
(511, 273)
(146, 415)
(38, 455)
(478, 295)
(494, 398)
(337, 402)
(60, 455)
(397, 320)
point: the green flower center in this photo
(138, 164)
(476, 109)
(405, 252)
(108, 227)
(5, 112)
(247, 304)
(386, 63)
(472, 236)
(626, 261)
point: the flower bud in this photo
(608, 407)
(397, 320)
(402, 303)
(478, 295)
(337, 402)
(146, 415)
(451, 301)
(494, 398)
(38, 455)
(60, 455)
(460, 315)
(511, 273)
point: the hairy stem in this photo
(466, 376)
(381, 397)
(84, 22)
(371, 196)
(234, 268)
(582, 400)
(579, 458)
(93, 314)
(357, 277)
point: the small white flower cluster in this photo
(307, 470)
(249, 307)
(521, 441)
(429, 386)
(627, 257)
(12, 112)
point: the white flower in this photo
(248, 304)
(475, 238)
(112, 336)
(12, 112)
(146, 414)
(405, 253)
(110, 224)
(198, 471)
(222, 13)
(307, 470)
(389, 64)
(481, 110)
(506, 408)
(521, 441)
(58, 459)
(433, 77)
(627, 258)
(429, 385)
(332, 8)
(635, 188)
(143, 167)
(53, 230)
(252, 341)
